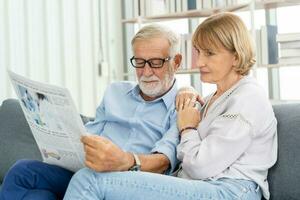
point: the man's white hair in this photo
(159, 31)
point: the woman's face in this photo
(216, 65)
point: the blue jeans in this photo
(87, 184)
(35, 180)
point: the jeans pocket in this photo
(241, 189)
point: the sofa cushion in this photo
(284, 176)
(16, 140)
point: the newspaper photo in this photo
(54, 122)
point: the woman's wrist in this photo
(187, 128)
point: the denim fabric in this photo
(35, 180)
(89, 185)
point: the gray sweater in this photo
(236, 139)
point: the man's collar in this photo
(169, 97)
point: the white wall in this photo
(58, 42)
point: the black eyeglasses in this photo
(153, 62)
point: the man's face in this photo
(154, 82)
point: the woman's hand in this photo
(187, 93)
(188, 115)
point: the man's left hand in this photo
(102, 155)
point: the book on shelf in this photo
(290, 45)
(129, 13)
(206, 4)
(183, 49)
(258, 46)
(219, 3)
(269, 46)
(147, 8)
(188, 52)
(136, 8)
(178, 5)
(184, 5)
(284, 37)
(189, 48)
(289, 60)
(194, 58)
(289, 53)
(191, 4)
(199, 4)
(172, 6)
(156, 7)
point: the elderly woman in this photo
(233, 140)
(227, 147)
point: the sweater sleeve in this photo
(229, 137)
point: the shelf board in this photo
(196, 71)
(278, 65)
(260, 4)
(188, 71)
(267, 4)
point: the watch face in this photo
(135, 168)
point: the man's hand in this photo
(102, 155)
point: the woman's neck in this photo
(227, 84)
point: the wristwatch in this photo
(137, 163)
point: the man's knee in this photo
(83, 174)
(83, 178)
(21, 165)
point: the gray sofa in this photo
(16, 142)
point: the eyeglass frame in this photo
(149, 62)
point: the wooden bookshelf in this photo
(189, 14)
(185, 14)
(261, 4)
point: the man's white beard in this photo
(157, 88)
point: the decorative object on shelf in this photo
(289, 48)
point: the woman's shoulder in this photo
(249, 90)
(250, 100)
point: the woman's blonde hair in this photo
(227, 30)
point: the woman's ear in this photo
(235, 60)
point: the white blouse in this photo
(237, 138)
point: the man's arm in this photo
(96, 126)
(157, 163)
(103, 155)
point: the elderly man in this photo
(134, 129)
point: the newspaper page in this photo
(53, 120)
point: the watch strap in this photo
(137, 163)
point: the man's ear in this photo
(177, 61)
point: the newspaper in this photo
(53, 120)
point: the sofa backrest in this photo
(284, 176)
(16, 140)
